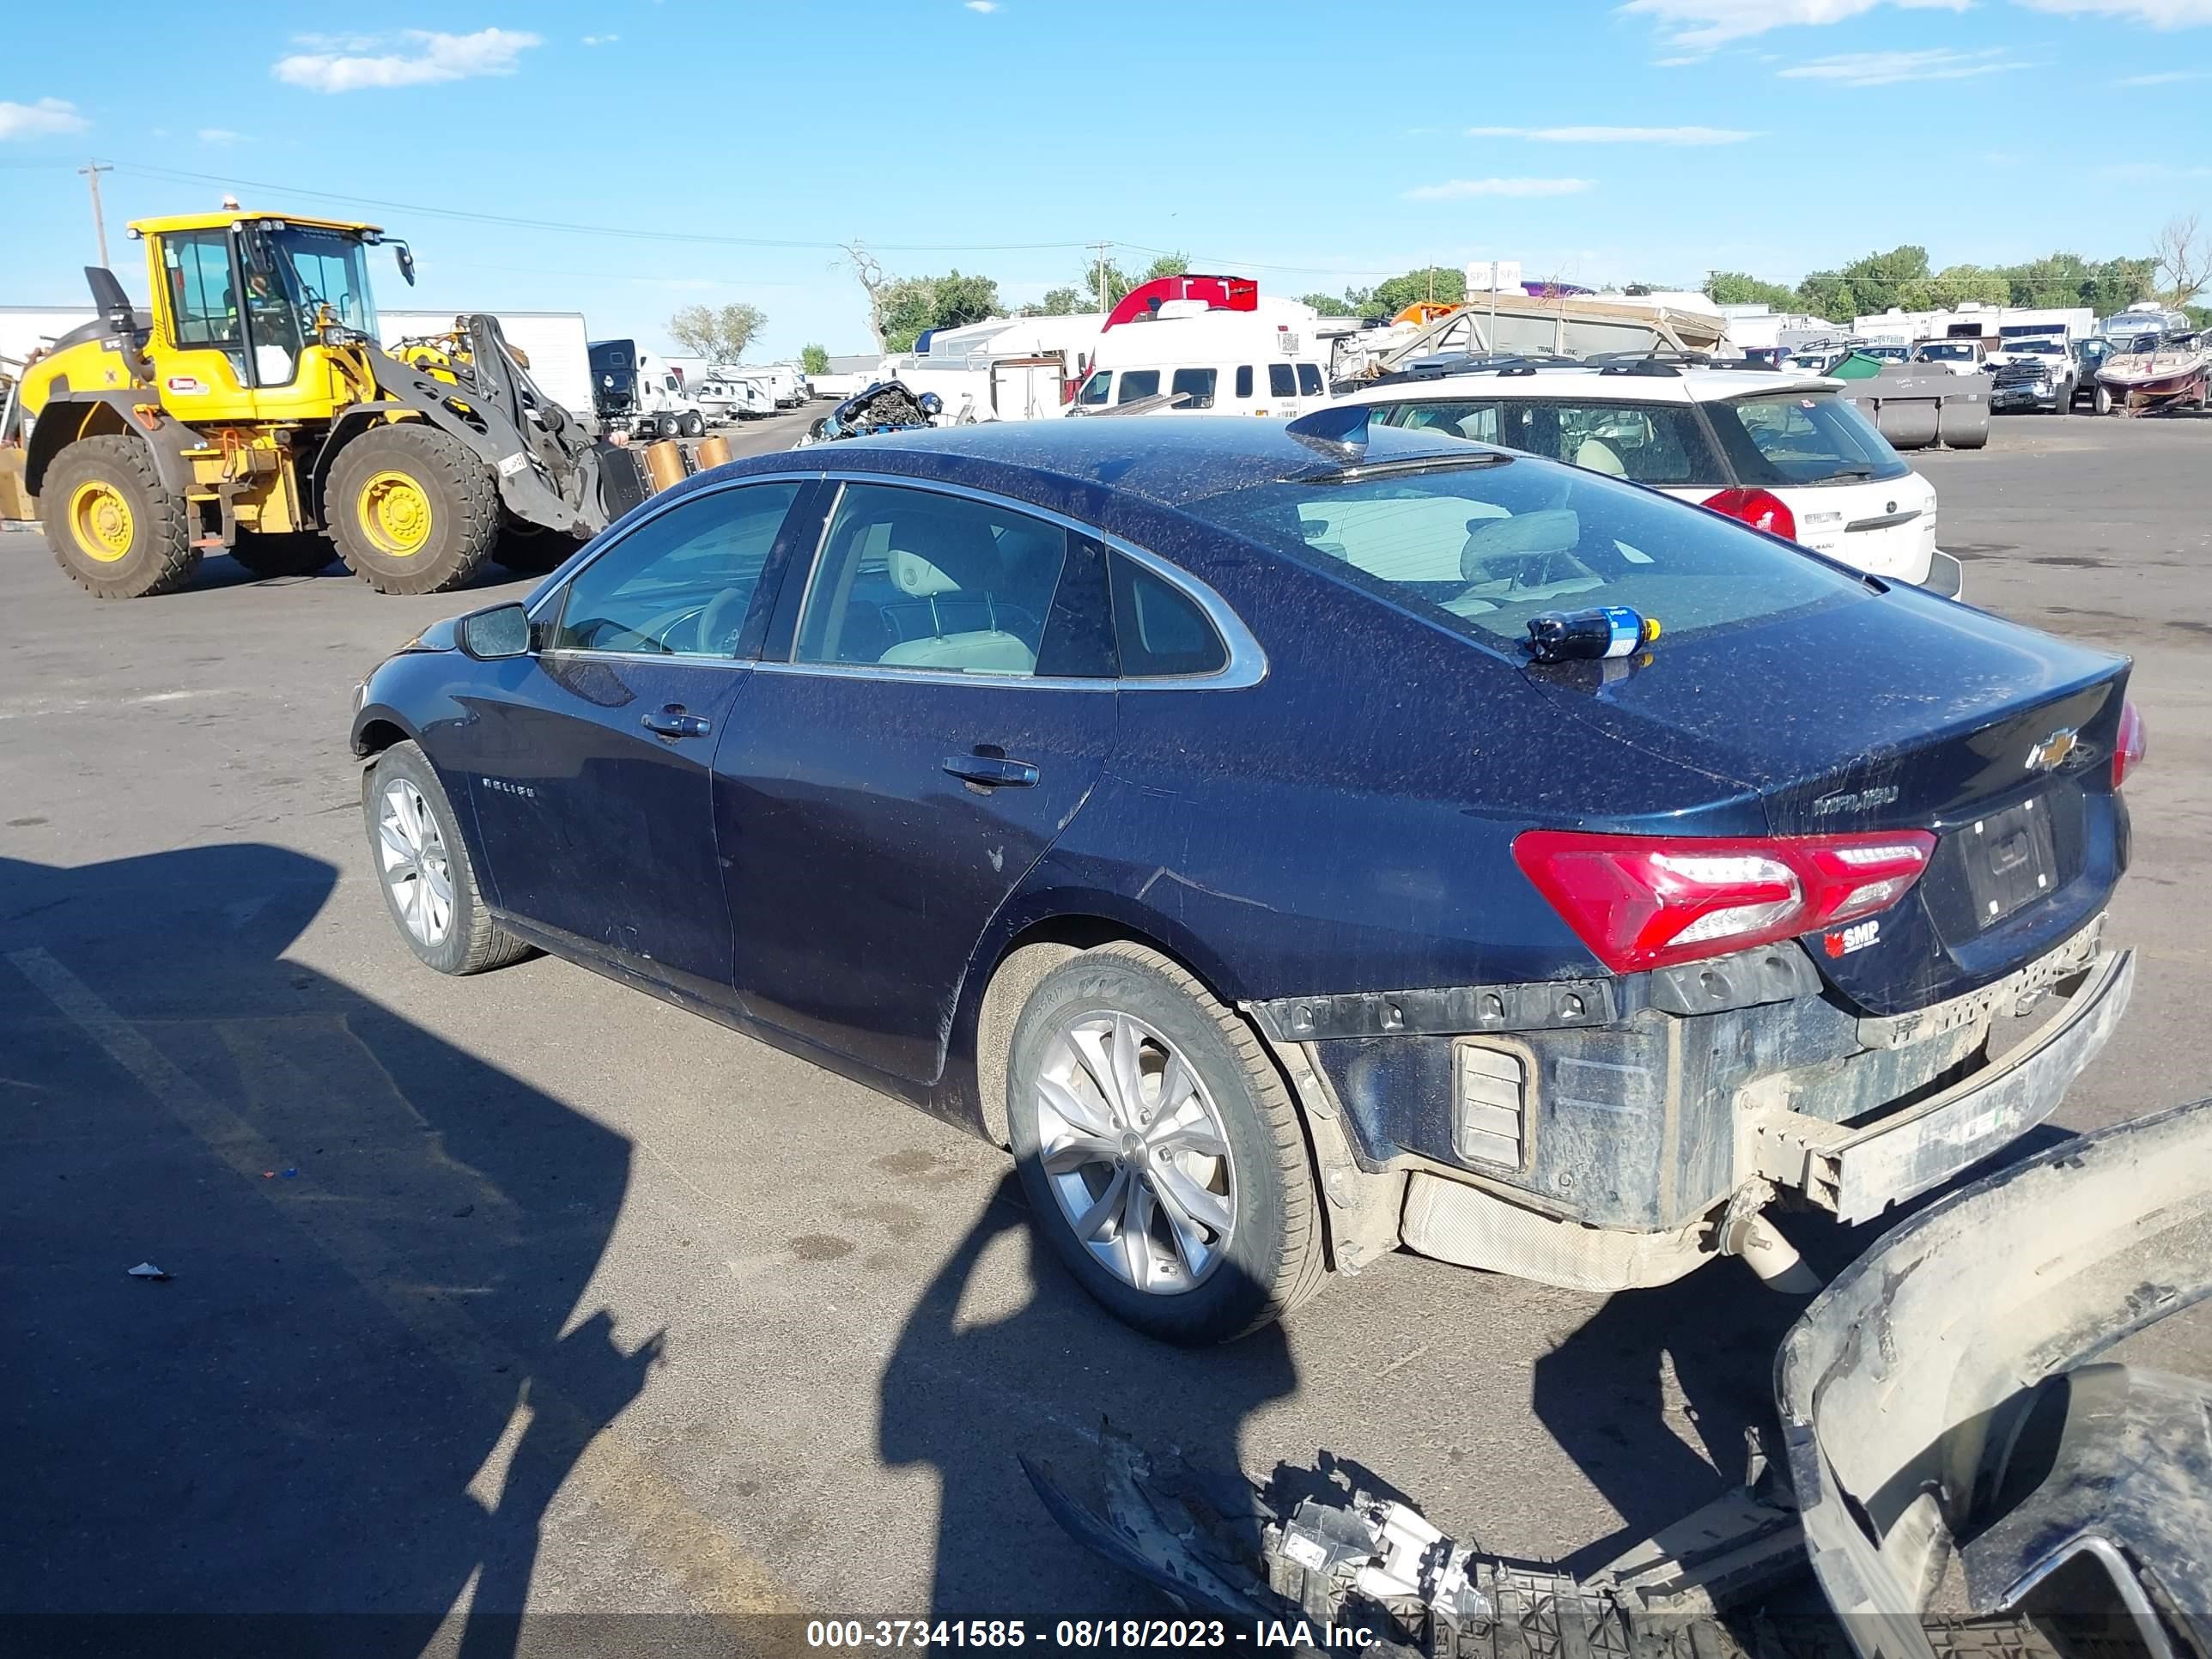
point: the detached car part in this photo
(885, 406)
(1937, 1397)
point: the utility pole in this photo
(1101, 248)
(92, 172)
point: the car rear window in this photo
(1776, 440)
(1483, 548)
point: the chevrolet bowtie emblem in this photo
(2050, 754)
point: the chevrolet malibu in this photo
(1293, 842)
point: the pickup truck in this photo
(2036, 372)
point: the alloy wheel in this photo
(417, 872)
(1133, 1148)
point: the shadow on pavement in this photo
(1057, 1346)
(369, 1369)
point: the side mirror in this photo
(406, 255)
(490, 635)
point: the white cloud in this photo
(220, 136)
(985, 6)
(1708, 23)
(47, 119)
(601, 39)
(2166, 78)
(1888, 69)
(2159, 14)
(1453, 189)
(348, 64)
(1617, 134)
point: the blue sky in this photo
(738, 143)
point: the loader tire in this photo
(291, 553)
(412, 509)
(113, 528)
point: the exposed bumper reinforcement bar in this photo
(1859, 1172)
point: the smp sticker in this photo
(1857, 937)
(185, 385)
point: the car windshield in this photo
(1482, 548)
(1778, 439)
(326, 267)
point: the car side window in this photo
(681, 583)
(1140, 383)
(1195, 384)
(1244, 379)
(1310, 383)
(1659, 444)
(1158, 629)
(1476, 421)
(1281, 382)
(909, 578)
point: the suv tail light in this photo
(1643, 902)
(1759, 508)
(2129, 748)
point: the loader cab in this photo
(242, 305)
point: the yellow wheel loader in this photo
(253, 410)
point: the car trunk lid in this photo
(1904, 712)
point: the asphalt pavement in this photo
(529, 1292)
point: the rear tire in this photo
(423, 869)
(2101, 400)
(293, 553)
(1242, 1161)
(691, 426)
(113, 529)
(412, 509)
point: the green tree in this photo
(1443, 284)
(1827, 294)
(1957, 285)
(813, 360)
(719, 335)
(908, 305)
(1120, 282)
(1059, 303)
(1879, 281)
(1737, 288)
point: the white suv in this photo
(1780, 450)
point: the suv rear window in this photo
(1482, 548)
(1778, 439)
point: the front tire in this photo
(423, 869)
(2102, 399)
(412, 508)
(293, 553)
(113, 529)
(1162, 1156)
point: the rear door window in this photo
(1195, 384)
(1658, 444)
(1474, 418)
(1779, 439)
(1140, 383)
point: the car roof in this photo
(1170, 459)
(1692, 385)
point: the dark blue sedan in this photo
(1191, 806)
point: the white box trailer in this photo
(553, 341)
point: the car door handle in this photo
(673, 722)
(992, 771)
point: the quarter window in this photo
(680, 585)
(911, 578)
(1196, 383)
(1159, 628)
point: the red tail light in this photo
(1645, 902)
(1761, 509)
(2129, 748)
